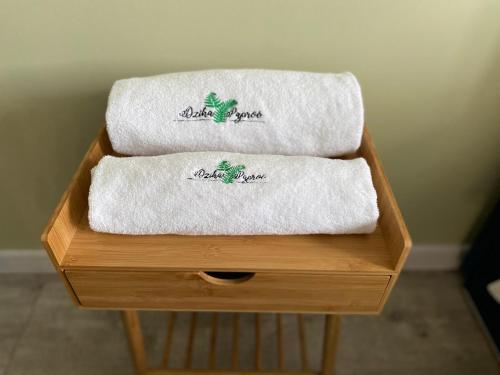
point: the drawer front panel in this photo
(263, 292)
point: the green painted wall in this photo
(430, 71)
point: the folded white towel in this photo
(248, 111)
(227, 193)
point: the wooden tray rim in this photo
(67, 217)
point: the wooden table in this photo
(333, 275)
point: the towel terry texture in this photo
(248, 111)
(229, 193)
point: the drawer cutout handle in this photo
(226, 278)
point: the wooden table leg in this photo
(332, 328)
(133, 329)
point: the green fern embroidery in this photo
(212, 101)
(221, 108)
(230, 172)
(223, 166)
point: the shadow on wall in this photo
(491, 201)
(479, 102)
(42, 144)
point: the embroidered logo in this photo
(228, 174)
(219, 111)
(221, 108)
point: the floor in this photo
(426, 328)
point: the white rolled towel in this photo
(248, 111)
(227, 193)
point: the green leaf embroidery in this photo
(224, 166)
(212, 101)
(221, 108)
(221, 113)
(230, 173)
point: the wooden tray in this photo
(94, 265)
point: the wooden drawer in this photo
(262, 291)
